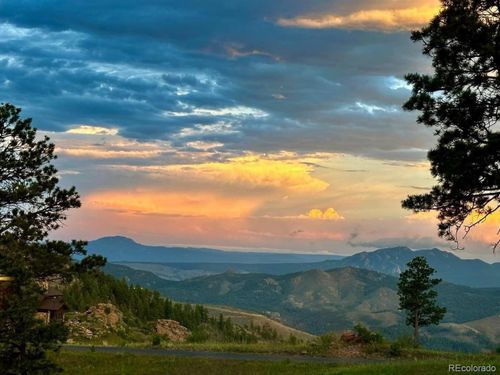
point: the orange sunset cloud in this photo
(328, 214)
(151, 202)
(384, 19)
(487, 233)
(247, 172)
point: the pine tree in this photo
(460, 101)
(31, 205)
(417, 296)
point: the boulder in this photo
(171, 330)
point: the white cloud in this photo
(237, 111)
(395, 84)
(204, 146)
(371, 109)
(219, 128)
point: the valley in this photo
(390, 261)
(336, 294)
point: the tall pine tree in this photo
(31, 205)
(417, 296)
(460, 101)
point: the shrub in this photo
(200, 334)
(366, 336)
(323, 344)
(406, 342)
(395, 350)
(156, 341)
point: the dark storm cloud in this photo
(156, 69)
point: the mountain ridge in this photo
(120, 249)
(391, 261)
(448, 266)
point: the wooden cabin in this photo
(52, 306)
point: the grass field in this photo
(261, 347)
(83, 363)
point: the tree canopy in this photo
(461, 102)
(31, 202)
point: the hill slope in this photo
(242, 318)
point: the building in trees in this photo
(52, 306)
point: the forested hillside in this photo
(141, 306)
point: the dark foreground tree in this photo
(417, 296)
(461, 102)
(31, 205)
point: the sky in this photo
(232, 124)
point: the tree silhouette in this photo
(461, 102)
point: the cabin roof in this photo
(52, 304)
(53, 292)
(52, 300)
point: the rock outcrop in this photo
(349, 337)
(106, 313)
(97, 321)
(171, 330)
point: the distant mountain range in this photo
(123, 249)
(449, 267)
(318, 293)
(182, 263)
(318, 301)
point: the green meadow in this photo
(84, 363)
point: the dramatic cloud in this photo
(224, 123)
(213, 73)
